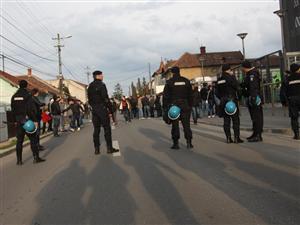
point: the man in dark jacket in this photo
(204, 102)
(178, 91)
(23, 108)
(146, 106)
(76, 108)
(227, 89)
(196, 104)
(101, 108)
(38, 105)
(252, 92)
(291, 89)
(55, 113)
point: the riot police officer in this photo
(101, 108)
(178, 91)
(226, 90)
(292, 93)
(252, 92)
(23, 108)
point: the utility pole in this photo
(3, 68)
(150, 82)
(60, 76)
(88, 74)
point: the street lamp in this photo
(281, 13)
(243, 36)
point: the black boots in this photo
(189, 144)
(37, 159)
(229, 140)
(238, 140)
(256, 138)
(112, 150)
(175, 145)
(19, 160)
(97, 151)
(296, 136)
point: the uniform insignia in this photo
(179, 83)
(294, 82)
(251, 77)
(18, 98)
(221, 81)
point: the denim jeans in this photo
(195, 113)
(204, 106)
(211, 109)
(146, 111)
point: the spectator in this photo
(152, 105)
(146, 106)
(211, 102)
(196, 104)
(204, 102)
(158, 106)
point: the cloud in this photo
(119, 38)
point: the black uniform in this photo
(226, 90)
(38, 106)
(178, 91)
(23, 108)
(101, 107)
(292, 92)
(252, 89)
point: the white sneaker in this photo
(213, 116)
(71, 129)
(209, 117)
(78, 129)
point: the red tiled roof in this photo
(43, 86)
(188, 60)
(15, 80)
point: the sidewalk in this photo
(9, 146)
(276, 120)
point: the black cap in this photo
(23, 84)
(97, 72)
(294, 67)
(246, 64)
(225, 67)
(175, 70)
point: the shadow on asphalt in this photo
(75, 197)
(276, 178)
(273, 208)
(160, 187)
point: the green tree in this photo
(118, 92)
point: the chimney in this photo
(202, 50)
(29, 72)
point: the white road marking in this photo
(116, 146)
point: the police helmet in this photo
(174, 112)
(230, 108)
(29, 127)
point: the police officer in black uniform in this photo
(226, 90)
(252, 90)
(23, 108)
(101, 109)
(178, 91)
(292, 93)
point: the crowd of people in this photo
(140, 107)
(220, 98)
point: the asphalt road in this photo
(216, 183)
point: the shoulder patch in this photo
(294, 82)
(252, 77)
(221, 81)
(18, 98)
(179, 83)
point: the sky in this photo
(121, 38)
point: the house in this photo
(200, 67)
(46, 90)
(76, 89)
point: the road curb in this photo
(9, 150)
(266, 130)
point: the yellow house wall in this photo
(192, 73)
